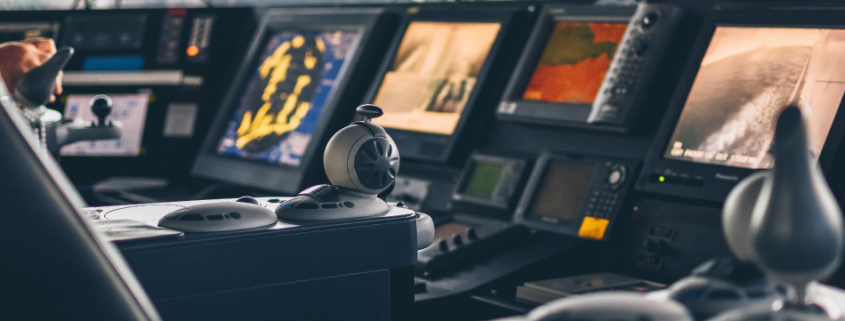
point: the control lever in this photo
(361, 161)
(69, 131)
(795, 228)
(35, 87)
(101, 106)
(33, 90)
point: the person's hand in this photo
(19, 57)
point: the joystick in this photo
(361, 161)
(33, 90)
(795, 226)
(101, 106)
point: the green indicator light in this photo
(661, 178)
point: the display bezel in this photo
(509, 166)
(524, 213)
(137, 26)
(265, 175)
(554, 113)
(715, 181)
(412, 142)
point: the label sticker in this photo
(593, 228)
(180, 119)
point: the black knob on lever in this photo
(101, 106)
(369, 112)
(36, 86)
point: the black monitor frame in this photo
(280, 178)
(709, 182)
(435, 147)
(554, 113)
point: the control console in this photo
(577, 196)
(598, 80)
(635, 64)
(361, 161)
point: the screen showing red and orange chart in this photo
(748, 75)
(433, 74)
(574, 62)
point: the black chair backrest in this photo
(53, 265)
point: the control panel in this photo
(589, 66)
(489, 181)
(577, 196)
(635, 63)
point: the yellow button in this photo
(593, 228)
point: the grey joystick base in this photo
(327, 202)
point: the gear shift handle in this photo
(101, 106)
(796, 224)
(36, 86)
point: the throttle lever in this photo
(36, 86)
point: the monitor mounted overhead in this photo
(745, 71)
(437, 77)
(589, 66)
(296, 86)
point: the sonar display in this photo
(748, 75)
(574, 62)
(285, 98)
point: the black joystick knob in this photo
(369, 112)
(36, 86)
(101, 106)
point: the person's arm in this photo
(19, 57)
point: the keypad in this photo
(603, 204)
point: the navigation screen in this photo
(574, 62)
(562, 191)
(483, 180)
(285, 98)
(433, 75)
(748, 75)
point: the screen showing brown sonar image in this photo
(748, 75)
(433, 75)
(574, 62)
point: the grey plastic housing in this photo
(343, 149)
(337, 208)
(218, 217)
(736, 215)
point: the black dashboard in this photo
(546, 139)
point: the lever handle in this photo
(797, 224)
(36, 86)
(369, 112)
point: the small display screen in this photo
(285, 98)
(748, 75)
(104, 32)
(433, 75)
(562, 191)
(27, 30)
(130, 110)
(574, 62)
(483, 180)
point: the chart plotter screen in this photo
(574, 62)
(284, 100)
(748, 75)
